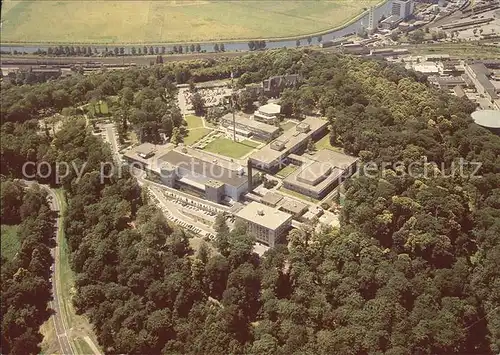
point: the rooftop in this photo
(147, 152)
(487, 118)
(323, 168)
(266, 216)
(270, 109)
(290, 139)
(242, 120)
(271, 198)
(293, 206)
(213, 170)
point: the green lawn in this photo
(193, 121)
(228, 148)
(287, 170)
(287, 125)
(195, 135)
(296, 194)
(10, 242)
(324, 143)
(161, 21)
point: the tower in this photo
(250, 175)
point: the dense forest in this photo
(25, 278)
(413, 269)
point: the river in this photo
(382, 10)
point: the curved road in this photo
(59, 325)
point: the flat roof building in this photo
(272, 156)
(324, 171)
(479, 74)
(294, 207)
(271, 199)
(266, 223)
(146, 154)
(211, 177)
(247, 127)
(267, 113)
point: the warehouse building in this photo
(247, 127)
(266, 223)
(321, 174)
(272, 157)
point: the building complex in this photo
(272, 157)
(245, 126)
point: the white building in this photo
(266, 223)
(402, 8)
(267, 113)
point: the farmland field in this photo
(160, 21)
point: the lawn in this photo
(156, 21)
(228, 148)
(298, 195)
(193, 121)
(195, 135)
(324, 143)
(10, 242)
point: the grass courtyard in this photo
(287, 170)
(228, 148)
(170, 21)
(10, 242)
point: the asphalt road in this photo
(60, 327)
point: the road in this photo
(59, 324)
(110, 132)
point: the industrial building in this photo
(267, 113)
(146, 155)
(489, 119)
(266, 223)
(272, 157)
(247, 127)
(321, 173)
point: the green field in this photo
(324, 143)
(10, 241)
(228, 148)
(161, 21)
(193, 121)
(194, 135)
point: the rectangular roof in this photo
(293, 206)
(266, 216)
(251, 123)
(291, 139)
(272, 198)
(207, 168)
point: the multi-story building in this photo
(321, 173)
(272, 156)
(266, 223)
(248, 127)
(212, 178)
(402, 8)
(267, 113)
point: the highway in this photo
(59, 324)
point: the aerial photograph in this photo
(250, 177)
